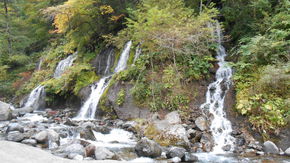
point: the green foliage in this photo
(18, 60)
(84, 79)
(267, 114)
(121, 97)
(262, 96)
(71, 81)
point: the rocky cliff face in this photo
(128, 109)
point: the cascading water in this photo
(63, 65)
(89, 108)
(221, 127)
(122, 64)
(137, 53)
(108, 64)
(36, 98)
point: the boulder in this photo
(201, 123)
(148, 148)
(15, 136)
(207, 141)
(102, 153)
(176, 152)
(15, 127)
(90, 150)
(270, 148)
(41, 137)
(23, 110)
(31, 142)
(76, 149)
(189, 157)
(173, 118)
(5, 112)
(287, 152)
(128, 110)
(178, 131)
(87, 134)
(53, 136)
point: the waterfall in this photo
(63, 65)
(108, 64)
(36, 98)
(137, 53)
(122, 64)
(88, 110)
(221, 127)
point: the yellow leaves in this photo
(106, 9)
(116, 18)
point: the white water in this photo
(221, 127)
(122, 64)
(64, 65)
(116, 139)
(88, 110)
(107, 70)
(36, 97)
(137, 53)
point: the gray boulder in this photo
(287, 152)
(15, 136)
(15, 127)
(201, 123)
(270, 148)
(31, 142)
(75, 149)
(53, 136)
(148, 148)
(24, 110)
(102, 153)
(173, 118)
(176, 152)
(5, 112)
(41, 137)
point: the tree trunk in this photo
(9, 41)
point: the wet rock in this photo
(68, 122)
(201, 123)
(102, 129)
(87, 134)
(5, 111)
(15, 136)
(189, 157)
(176, 152)
(173, 118)
(255, 145)
(75, 149)
(41, 137)
(31, 142)
(241, 141)
(287, 152)
(130, 126)
(102, 153)
(270, 148)
(148, 148)
(226, 148)
(207, 142)
(197, 137)
(191, 133)
(90, 150)
(15, 127)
